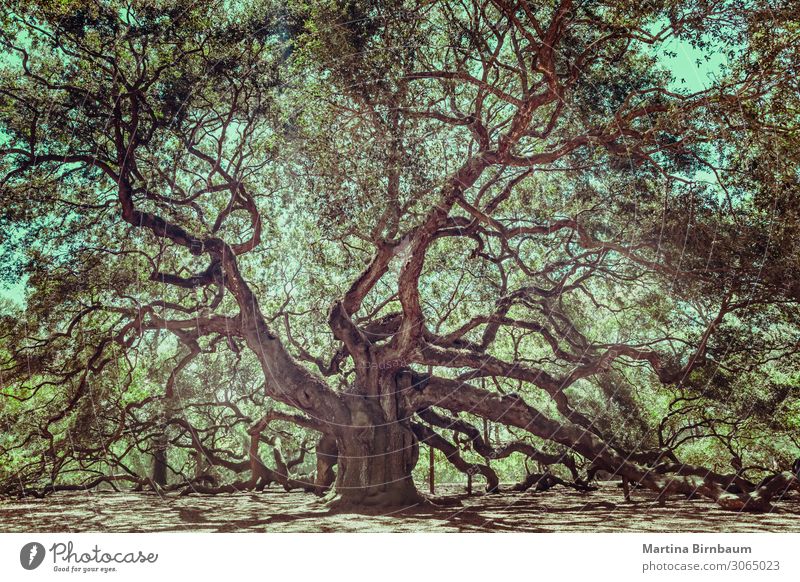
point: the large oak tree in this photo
(383, 224)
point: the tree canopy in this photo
(295, 242)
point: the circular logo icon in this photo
(31, 555)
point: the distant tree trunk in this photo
(431, 470)
(160, 460)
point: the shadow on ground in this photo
(556, 510)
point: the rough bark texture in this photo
(378, 451)
(160, 460)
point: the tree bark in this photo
(160, 461)
(687, 480)
(378, 450)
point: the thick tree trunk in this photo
(378, 451)
(374, 467)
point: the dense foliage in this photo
(302, 242)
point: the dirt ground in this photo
(557, 510)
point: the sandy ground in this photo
(557, 510)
